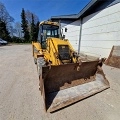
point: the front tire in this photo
(40, 64)
(35, 60)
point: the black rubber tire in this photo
(40, 63)
(35, 60)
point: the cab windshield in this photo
(46, 31)
(50, 31)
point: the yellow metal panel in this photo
(51, 53)
(49, 23)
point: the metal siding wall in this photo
(72, 34)
(113, 2)
(100, 31)
(65, 22)
(101, 5)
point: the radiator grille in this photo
(64, 52)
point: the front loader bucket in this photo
(65, 84)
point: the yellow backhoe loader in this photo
(64, 76)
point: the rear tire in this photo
(35, 60)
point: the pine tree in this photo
(33, 29)
(4, 34)
(24, 26)
(36, 31)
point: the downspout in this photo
(80, 36)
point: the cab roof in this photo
(49, 23)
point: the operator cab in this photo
(47, 29)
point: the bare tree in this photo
(18, 30)
(4, 15)
(36, 19)
(29, 17)
(6, 18)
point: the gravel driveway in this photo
(20, 98)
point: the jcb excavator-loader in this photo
(64, 76)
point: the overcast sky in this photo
(44, 9)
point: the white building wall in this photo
(72, 34)
(100, 31)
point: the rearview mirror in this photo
(65, 29)
(63, 37)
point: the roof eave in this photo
(80, 14)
